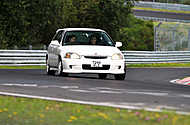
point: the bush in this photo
(139, 35)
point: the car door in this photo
(54, 46)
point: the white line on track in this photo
(106, 88)
(111, 92)
(45, 86)
(80, 90)
(28, 85)
(103, 90)
(185, 96)
(150, 93)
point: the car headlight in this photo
(72, 56)
(117, 56)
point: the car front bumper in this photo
(108, 66)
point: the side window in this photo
(58, 36)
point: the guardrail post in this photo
(15, 47)
(30, 47)
(156, 44)
(189, 39)
(45, 47)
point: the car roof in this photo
(80, 29)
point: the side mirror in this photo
(55, 42)
(118, 44)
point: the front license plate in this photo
(96, 64)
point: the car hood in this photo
(91, 50)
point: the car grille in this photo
(88, 67)
(96, 57)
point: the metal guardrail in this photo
(168, 6)
(37, 57)
(142, 57)
(22, 57)
(162, 19)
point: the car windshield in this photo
(87, 38)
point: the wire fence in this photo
(172, 37)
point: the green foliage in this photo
(138, 35)
(34, 22)
(26, 22)
(109, 15)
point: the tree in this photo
(138, 35)
(27, 22)
(34, 22)
(109, 15)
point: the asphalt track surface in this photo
(169, 15)
(143, 87)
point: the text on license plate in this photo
(96, 64)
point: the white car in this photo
(71, 51)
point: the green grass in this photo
(161, 10)
(25, 111)
(169, 65)
(22, 67)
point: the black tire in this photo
(102, 75)
(120, 76)
(59, 71)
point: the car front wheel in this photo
(120, 76)
(59, 71)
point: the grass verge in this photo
(161, 10)
(169, 65)
(22, 67)
(25, 111)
